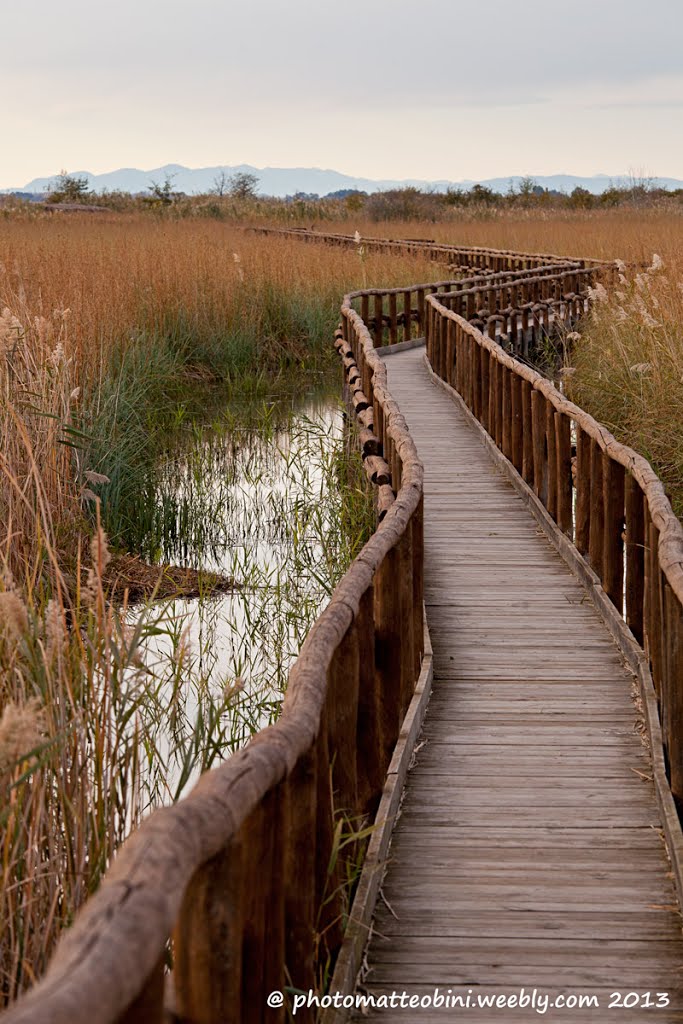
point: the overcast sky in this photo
(379, 88)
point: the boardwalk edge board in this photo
(350, 958)
(626, 642)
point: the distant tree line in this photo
(237, 195)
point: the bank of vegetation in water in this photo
(118, 339)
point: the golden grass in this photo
(626, 233)
(78, 298)
(102, 322)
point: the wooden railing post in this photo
(516, 444)
(342, 720)
(551, 456)
(654, 618)
(485, 386)
(538, 425)
(388, 649)
(613, 553)
(404, 582)
(583, 491)
(301, 909)
(564, 472)
(328, 901)
(527, 434)
(421, 310)
(450, 352)
(635, 557)
(393, 319)
(407, 315)
(500, 384)
(379, 323)
(263, 922)
(208, 941)
(370, 757)
(417, 526)
(596, 539)
(506, 412)
(673, 670)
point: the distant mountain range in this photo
(284, 181)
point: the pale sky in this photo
(378, 88)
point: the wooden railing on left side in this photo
(241, 874)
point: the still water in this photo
(256, 492)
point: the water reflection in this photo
(252, 494)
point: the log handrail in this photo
(483, 256)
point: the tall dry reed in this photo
(106, 326)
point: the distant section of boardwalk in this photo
(529, 851)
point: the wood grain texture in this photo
(529, 849)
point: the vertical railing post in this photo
(583, 490)
(527, 434)
(207, 969)
(406, 622)
(407, 315)
(342, 720)
(417, 526)
(516, 445)
(301, 908)
(596, 540)
(564, 472)
(450, 351)
(421, 310)
(393, 319)
(538, 440)
(635, 556)
(378, 333)
(370, 761)
(498, 403)
(388, 648)
(506, 412)
(264, 915)
(328, 879)
(613, 553)
(673, 669)
(551, 455)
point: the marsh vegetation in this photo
(169, 391)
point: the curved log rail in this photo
(604, 496)
(459, 257)
(241, 874)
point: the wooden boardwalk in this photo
(528, 852)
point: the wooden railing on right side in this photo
(605, 497)
(522, 306)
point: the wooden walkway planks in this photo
(528, 851)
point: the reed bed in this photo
(626, 365)
(115, 330)
(114, 333)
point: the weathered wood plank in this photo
(529, 848)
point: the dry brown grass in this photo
(626, 233)
(73, 703)
(102, 322)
